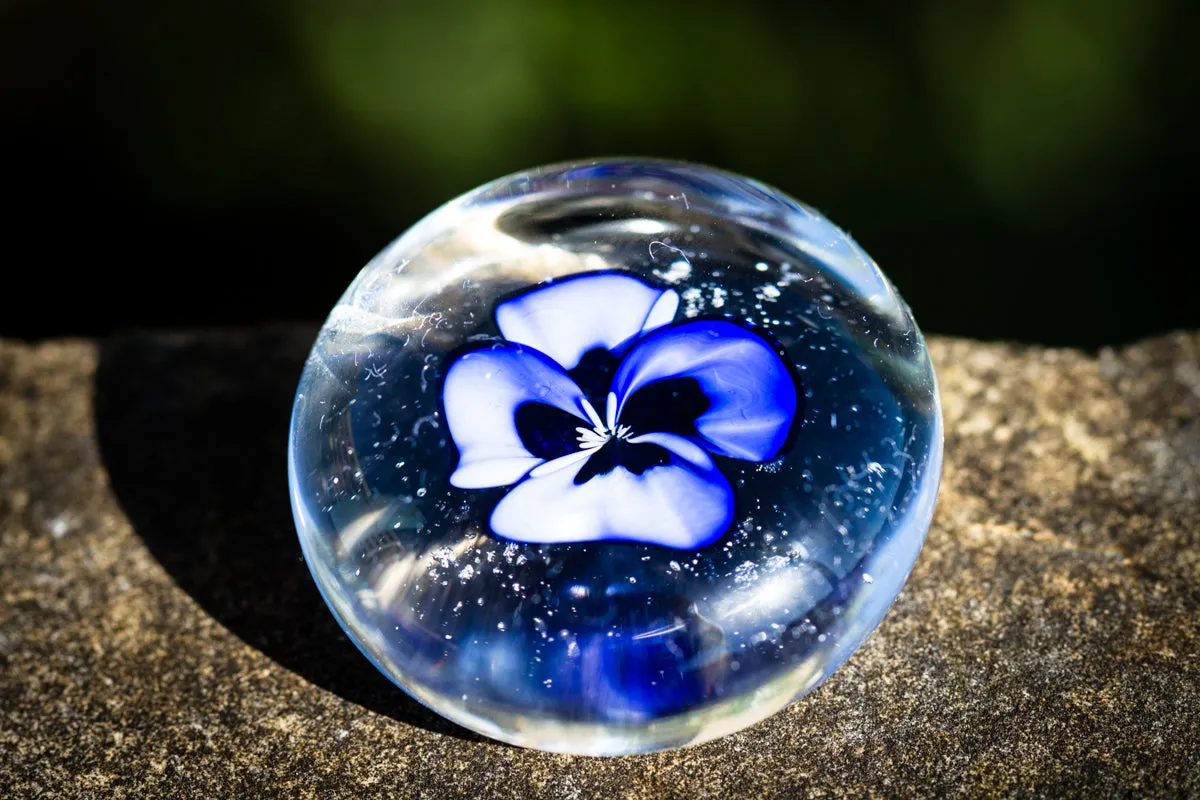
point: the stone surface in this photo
(159, 635)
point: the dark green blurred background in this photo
(1020, 169)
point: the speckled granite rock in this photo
(160, 637)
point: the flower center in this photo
(604, 430)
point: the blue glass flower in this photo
(605, 416)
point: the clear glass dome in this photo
(615, 456)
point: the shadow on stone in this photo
(193, 431)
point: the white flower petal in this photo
(752, 396)
(567, 318)
(482, 392)
(684, 504)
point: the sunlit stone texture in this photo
(615, 456)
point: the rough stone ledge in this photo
(160, 637)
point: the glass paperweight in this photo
(615, 456)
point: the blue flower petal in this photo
(482, 392)
(568, 318)
(684, 504)
(752, 396)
